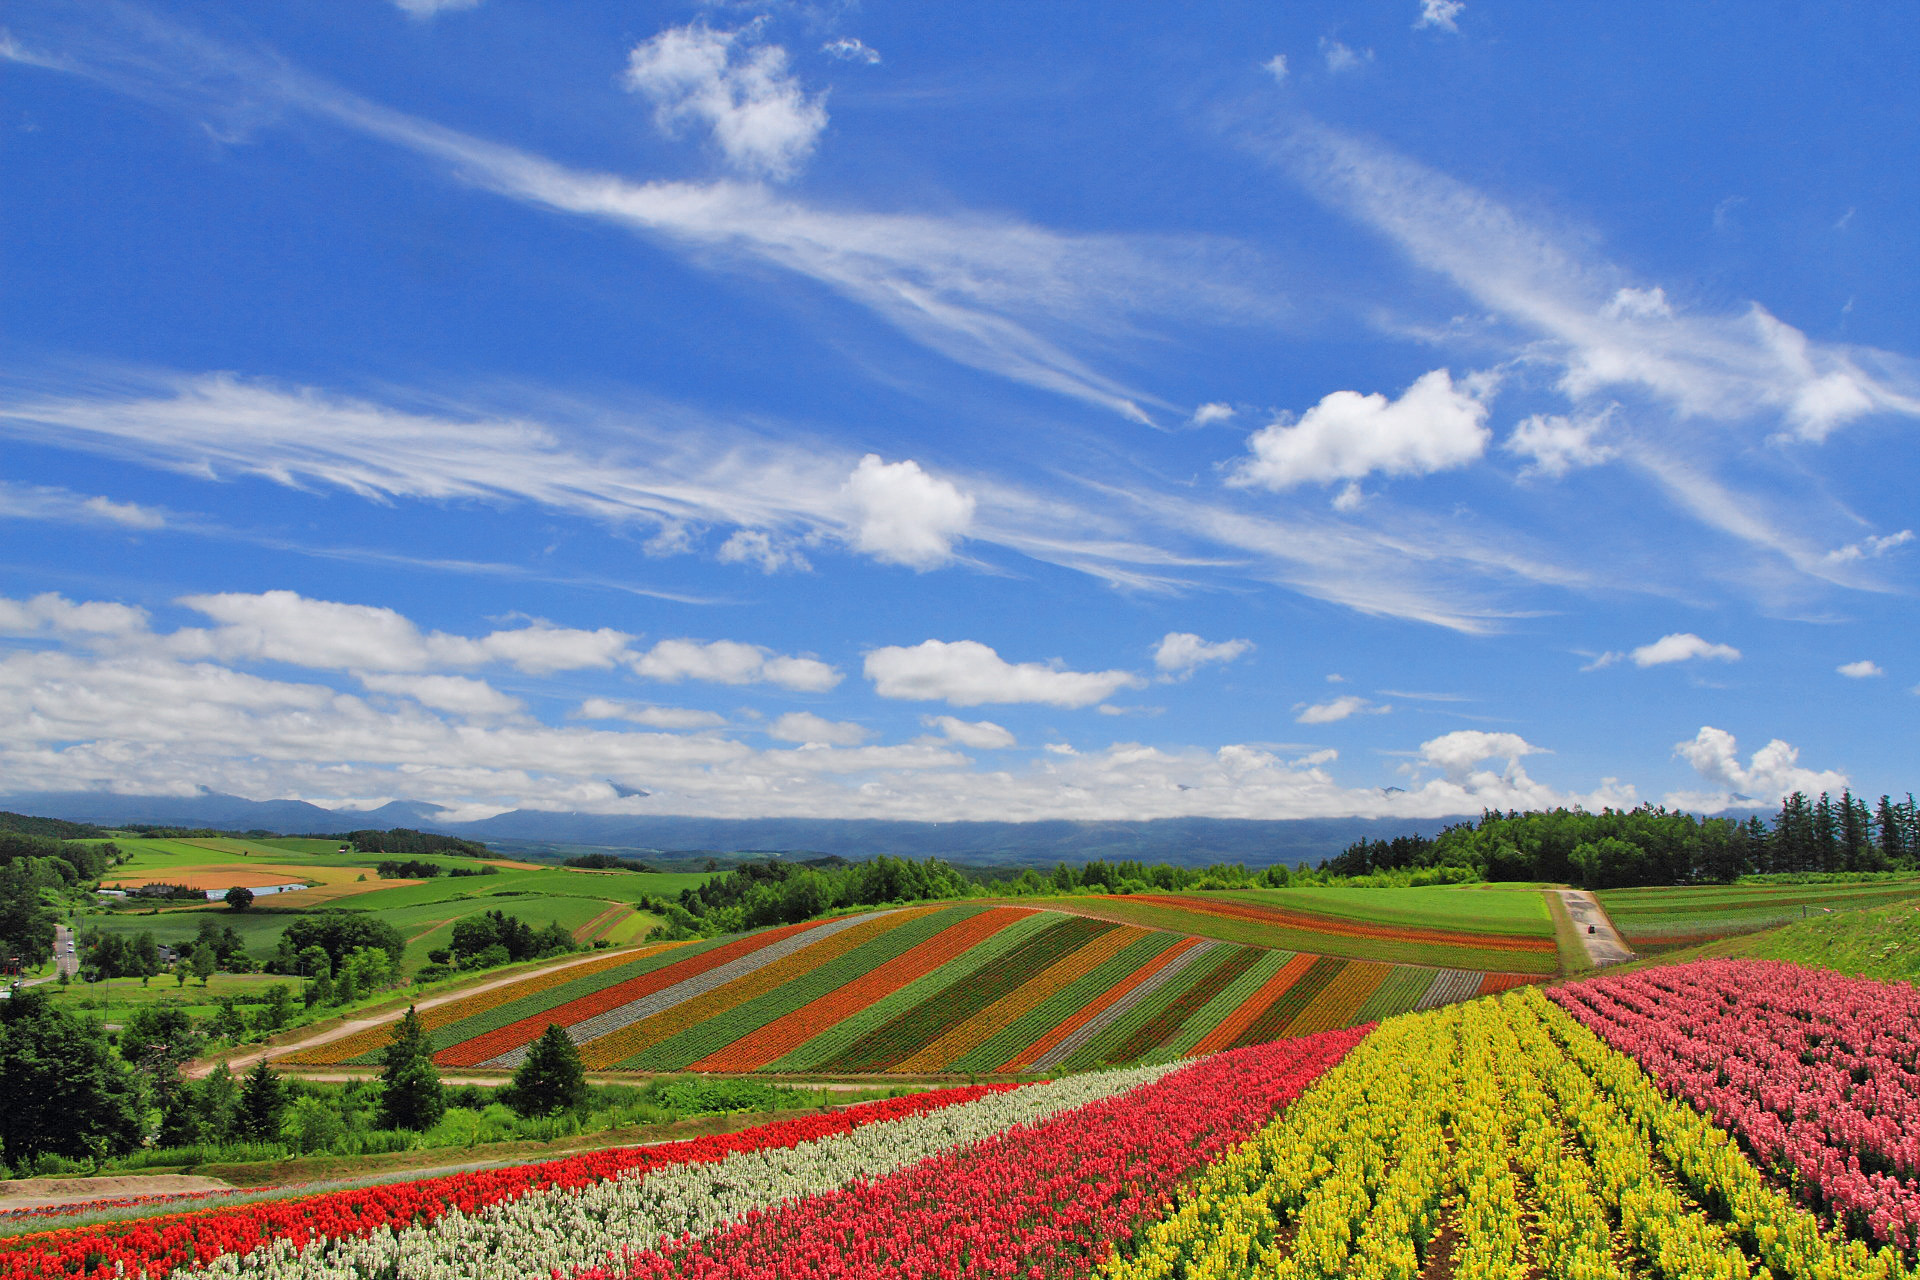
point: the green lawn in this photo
(111, 1001)
(1470, 908)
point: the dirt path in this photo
(240, 1062)
(41, 1193)
(1603, 942)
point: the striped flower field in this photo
(973, 988)
(1704, 1122)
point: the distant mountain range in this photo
(1182, 841)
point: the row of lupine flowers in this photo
(157, 1246)
(1038, 1200)
(1813, 1072)
(1489, 1105)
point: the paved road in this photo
(1603, 941)
(64, 961)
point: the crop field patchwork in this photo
(971, 987)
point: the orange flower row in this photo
(637, 1037)
(477, 1050)
(1505, 982)
(783, 1035)
(1002, 1013)
(1234, 1025)
(1335, 1006)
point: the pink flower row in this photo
(1813, 1071)
(1034, 1202)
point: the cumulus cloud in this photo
(904, 515)
(1870, 548)
(1557, 444)
(459, 695)
(1443, 15)
(1276, 66)
(1338, 709)
(1770, 774)
(1861, 670)
(735, 87)
(1179, 653)
(1434, 425)
(542, 649)
(654, 717)
(804, 726)
(51, 613)
(982, 735)
(732, 662)
(967, 673)
(1208, 414)
(850, 49)
(1681, 646)
(1456, 753)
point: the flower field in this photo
(1818, 1075)
(1525, 1136)
(1653, 920)
(924, 990)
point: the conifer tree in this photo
(411, 1095)
(262, 1100)
(551, 1080)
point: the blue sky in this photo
(958, 412)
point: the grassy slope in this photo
(1286, 938)
(1656, 919)
(1468, 908)
(1877, 942)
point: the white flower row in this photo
(569, 1231)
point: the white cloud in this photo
(850, 49)
(50, 502)
(542, 649)
(457, 694)
(53, 614)
(1442, 14)
(806, 727)
(428, 8)
(1340, 58)
(967, 673)
(1862, 670)
(1208, 414)
(1682, 646)
(981, 735)
(904, 515)
(1870, 548)
(1276, 66)
(1338, 709)
(732, 662)
(737, 88)
(1434, 425)
(654, 717)
(755, 547)
(1773, 772)
(1180, 652)
(1559, 444)
(1456, 753)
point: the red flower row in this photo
(157, 1246)
(1036, 1201)
(1814, 1072)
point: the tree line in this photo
(1654, 845)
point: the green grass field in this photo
(1469, 908)
(112, 1001)
(1659, 919)
(1874, 942)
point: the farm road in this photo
(1603, 942)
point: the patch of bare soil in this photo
(39, 1193)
